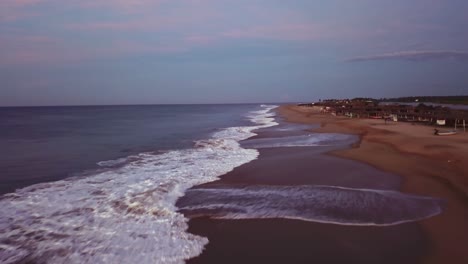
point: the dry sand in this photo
(430, 165)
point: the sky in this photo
(80, 52)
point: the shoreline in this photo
(428, 165)
(279, 240)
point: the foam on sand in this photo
(309, 140)
(325, 204)
(121, 215)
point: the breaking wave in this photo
(309, 140)
(122, 215)
(324, 204)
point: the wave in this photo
(113, 163)
(125, 214)
(309, 140)
(293, 127)
(324, 204)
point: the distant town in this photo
(430, 110)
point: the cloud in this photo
(18, 3)
(12, 10)
(291, 31)
(414, 56)
(27, 49)
(125, 6)
(37, 49)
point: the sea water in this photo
(138, 160)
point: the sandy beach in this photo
(429, 165)
(394, 156)
(294, 241)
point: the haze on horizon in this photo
(80, 52)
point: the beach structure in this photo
(369, 108)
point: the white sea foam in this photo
(325, 204)
(309, 140)
(124, 215)
(112, 163)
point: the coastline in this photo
(279, 240)
(429, 165)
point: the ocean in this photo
(42, 144)
(103, 180)
(116, 184)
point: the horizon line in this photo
(87, 105)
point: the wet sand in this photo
(290, 241)
(307, 166)
(294, 241)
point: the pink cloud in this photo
(115, 26)
(13, 41)
(189, 24)
(301, 31)
(200, 40)
(202, 22)
(25, 49)
(18, 3)
(152, 16)
(418, 55)
(121, 3)
(30, 50)
(143, 24)
(11, 10)
(126, 47)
